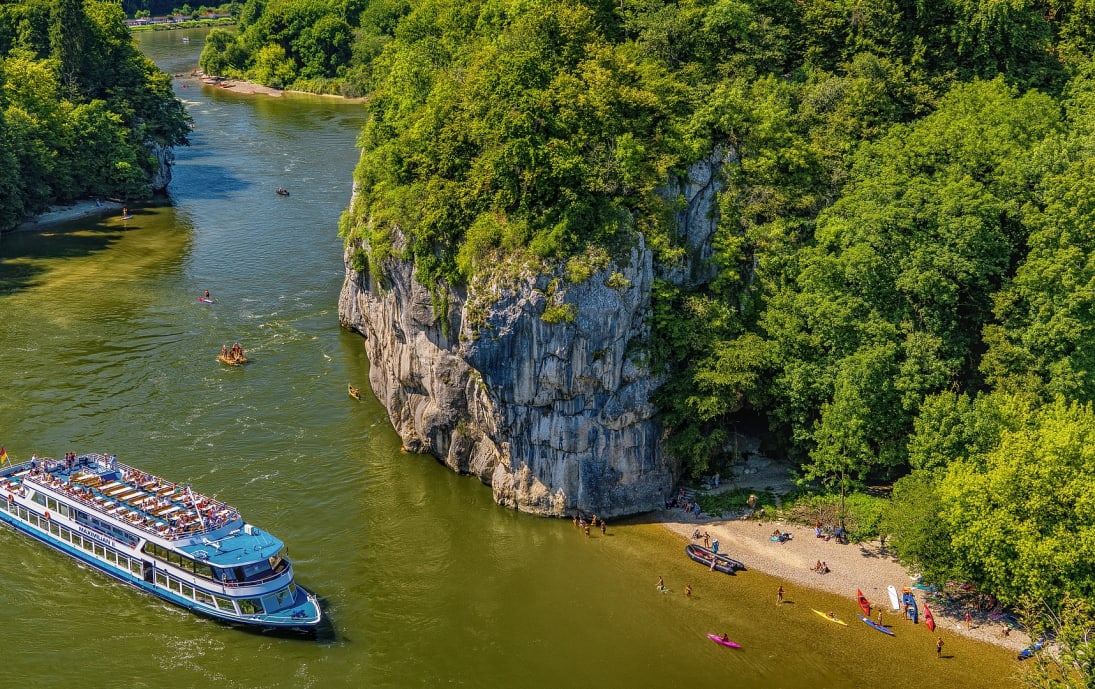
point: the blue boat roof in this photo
(241, 546)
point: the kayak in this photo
(1031, 650)
(894, 600)
(721, 641)
(863, 602)
(910, 606)
(871, 623)
(929, 621)
(831, 619)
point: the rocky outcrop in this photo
(535, 384)
(160, 177)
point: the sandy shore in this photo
(864, 566)
(57, 215)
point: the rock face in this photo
(554, 413)
(161, 176)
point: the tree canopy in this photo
(78, 107)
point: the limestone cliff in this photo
(536, 384)
(161, 176)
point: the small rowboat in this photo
(929, 621)
(353, 392)
(862, 600)
(712, 560)
(281, 191)
(831, 619)
(238, 361)
(871, 623)
(722, 641)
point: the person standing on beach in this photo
(688, 590)
(939, 647)
(779, 596)
(968, 620)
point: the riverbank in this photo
(80, 210)
(865, 566)
(250, 88)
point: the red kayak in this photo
(929, 621)
(722, 641)
(863, 602)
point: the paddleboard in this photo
(127, 217)
(872, 623)
(894, 600)
(206, 301)
(831, 619)
(724, 642)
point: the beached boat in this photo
(929, 621)
(353, 392)
(909, 602)
(875, 625)
(862, 600)
(712, 560)
(160, 537)
(830, 617)
(1029, 651)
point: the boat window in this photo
(224, 604)
(88, 545)
(251, 606)
(51, 504)
(38, 498)
(161, 579)
(203, 597)
(64, 510)
(100, 550)
(54, 529)
(135, 567)
(256, 570)
(188, 591)
(203, 570)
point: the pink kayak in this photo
(725, 642)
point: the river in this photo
(427, 583)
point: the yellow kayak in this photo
(831, 619)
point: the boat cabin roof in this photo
(238, 547)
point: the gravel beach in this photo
(864, 566)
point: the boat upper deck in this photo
(141, 500)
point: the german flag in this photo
(3, 456)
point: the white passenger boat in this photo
(161, 537)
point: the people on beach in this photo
(604, 527)
(706, 540)
(968, 620)
(779, 596)
(661, 584)
(939, 647)
(688, 590)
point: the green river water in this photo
(426, 582)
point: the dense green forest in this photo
(903, 285)
(79, 106)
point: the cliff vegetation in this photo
(900, 284)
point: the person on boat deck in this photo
(224, 350)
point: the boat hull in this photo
(705, 557)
